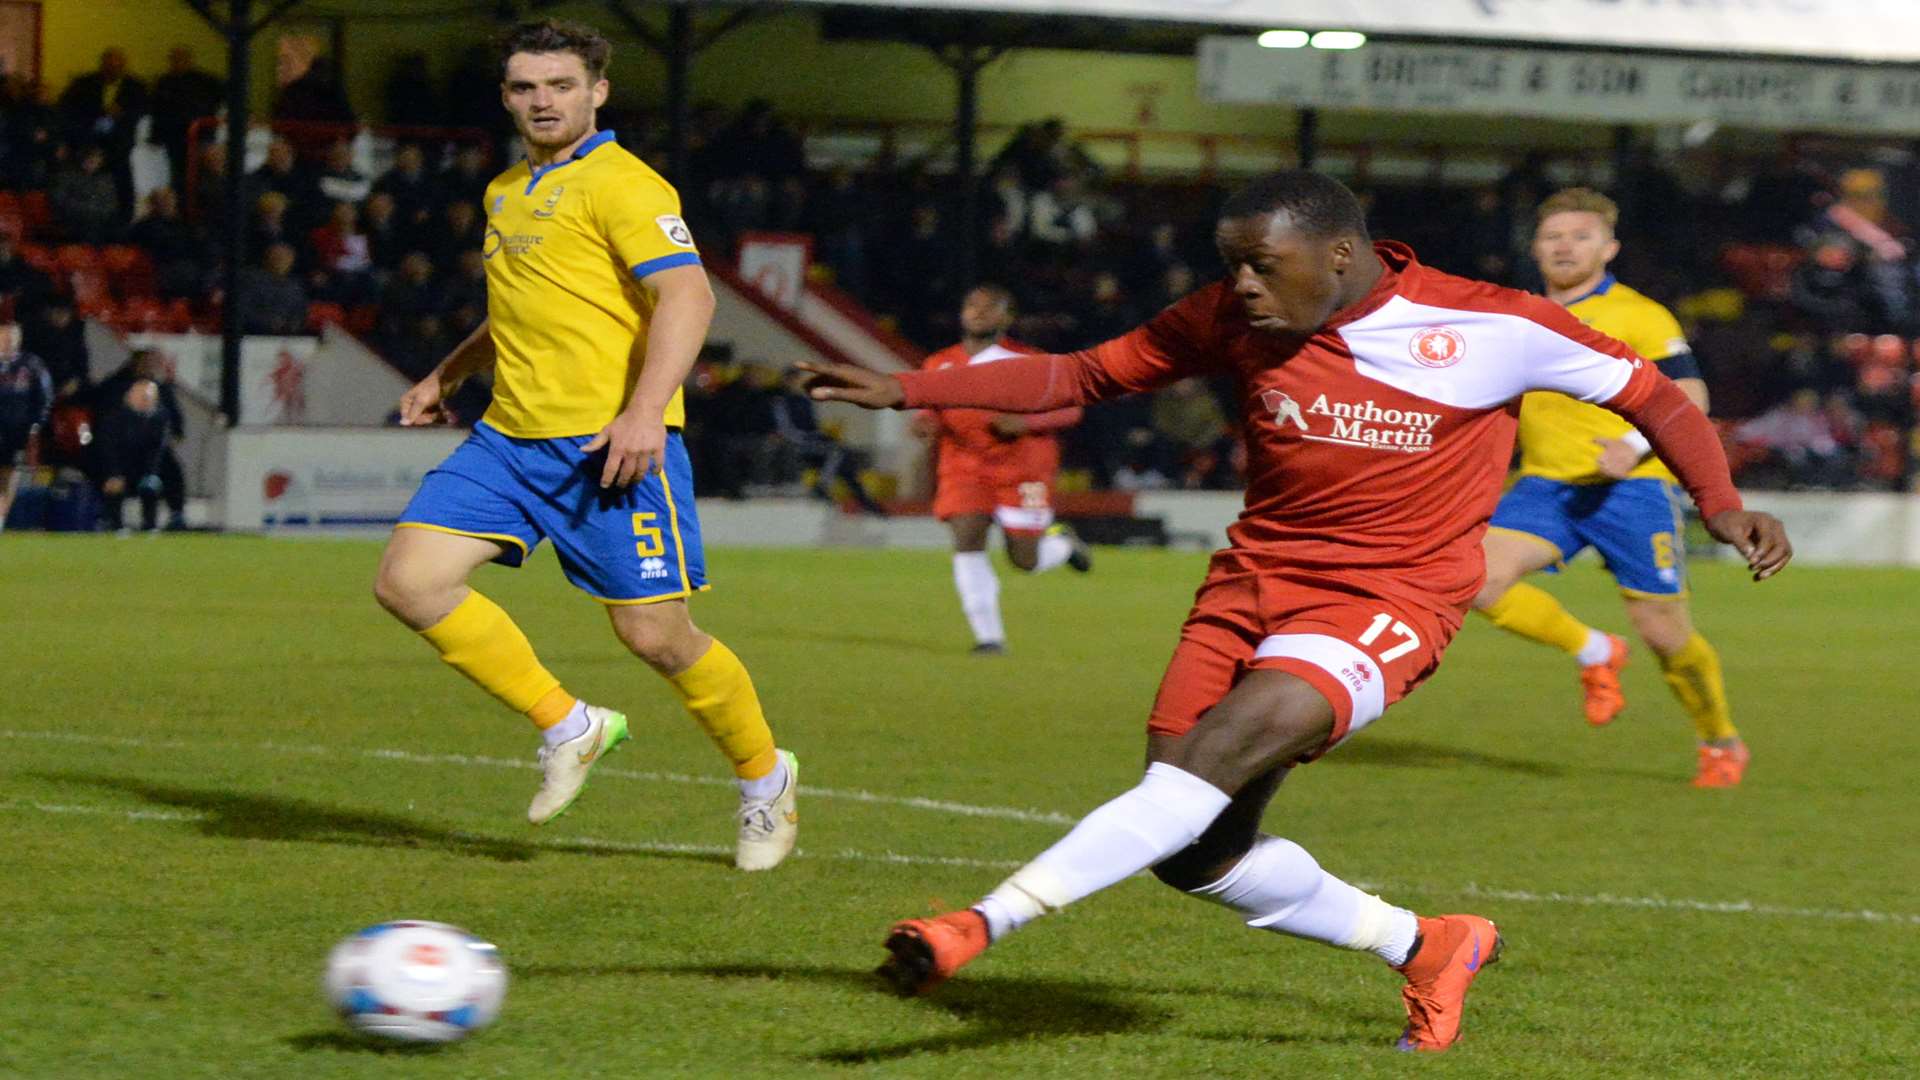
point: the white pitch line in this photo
(1520, 896)
(556, 843)
(959, 809)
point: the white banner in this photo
(326, 476)
(1622, 88)
(1848, 29)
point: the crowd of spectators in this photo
(1799, 286)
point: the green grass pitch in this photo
(218, 756)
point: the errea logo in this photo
(653, 567)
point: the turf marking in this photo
(1518, 896)
(960, 809)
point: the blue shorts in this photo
(634, 545)
(1635, 525)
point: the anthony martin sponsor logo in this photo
(1348, 423)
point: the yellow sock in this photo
(1693, 674)
(482, 643)
(1533, 613)
(719, 693)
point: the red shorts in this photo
(1016, 489)
(1362, 646)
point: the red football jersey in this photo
(1376, 446)
(966, 435)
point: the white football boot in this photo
(567, 765)
(769, 827)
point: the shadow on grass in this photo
(1421, 755)
(343, 1042)
(995, 1010)
(239, 815)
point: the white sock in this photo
(1597, 650)
(1166, 812)
(979, 590)
(768, 786)
(1055, 550)
(572, 726)
(1279, 887)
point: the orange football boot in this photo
(1453, 949)
(926, 952)
(1601, 684)
(1721, 766)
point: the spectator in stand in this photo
(1831, 288)
(56, 335)
(102, 108)
(23, 288)
(29, 131)
(180, 256)
(340, 181)
(1193, 428)
(270, 223)
(796, 430)
(423, 344)
(410, 95)
(281, 172)
(1162, 250)
(152, 366)
(461, 229)
(466, 179)
(1799, 434)
(26, 395)
(839, 212)
(465, 298)
(387, 238)
(1107, 313)
(181, 96)
(412, 293)
(275, 300)
(127, 443)
(1175, 283)
(1062, 214)
(209, 193)
(342, 254)
(85, 201)
(410, 188)
(314, 95)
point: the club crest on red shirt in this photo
(1438, 347)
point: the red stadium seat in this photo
(13, 223)
(130, 270)
(322, 313)
(91, 297)
(362, 319)
(38, 257)
(140, 313)
(38, 212)
(72, 257)
(179, 317)
(1761, 270)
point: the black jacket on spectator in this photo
(127, 443)
(315, 97)
(21, 284)
(274, 305)
(84, 104)
(26, 393)
(62, 345)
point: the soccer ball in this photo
(416, 982)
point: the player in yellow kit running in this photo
(596, 307)
(1588, 479)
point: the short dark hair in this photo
(557, 36)
(997, 291)
(1317, 205)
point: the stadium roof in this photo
(1871, 30)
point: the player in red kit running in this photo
(1378, 402)
(996, 468)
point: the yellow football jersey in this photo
(1556, 431)
(566, 247)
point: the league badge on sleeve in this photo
(677, 232)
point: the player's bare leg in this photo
(1039, 552)
(1691, 668)
(1533, 613)
(975, 581)
(1208, 787)
(718, 693)
(422, 581)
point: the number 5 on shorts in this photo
(1379, 626)
(650, 543)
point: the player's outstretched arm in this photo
(424, 402)
(854, 385)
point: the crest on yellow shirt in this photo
(553, 199)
